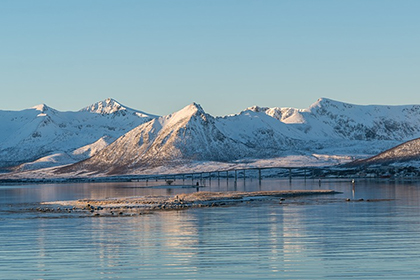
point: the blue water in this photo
(305, 238)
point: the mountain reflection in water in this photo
(303, 238)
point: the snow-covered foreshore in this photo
(51, 175)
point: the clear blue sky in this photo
(159, 56)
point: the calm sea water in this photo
(307, 238)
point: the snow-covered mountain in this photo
(326, 119)
(326, 128)
(47, 136)
(403, 153)
(112, 107)
(109, 137)
(189, 134)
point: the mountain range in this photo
(42, 136)
(109, 138)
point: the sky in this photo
(159, 56)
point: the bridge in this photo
(242, 173)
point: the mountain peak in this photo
(257, 109)
(321, 102)
(333, 106)
(197, 107)
(41, 107)
(184, 115)
(105, 107)
(192, 109)
(110, 106)
(44, 110)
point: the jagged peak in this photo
(107, 106)
(191, 109)
(257, 109)
(44, 110)
(111, 106)
(41, 107)
(185, 114)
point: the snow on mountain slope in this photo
(91, 149)
(41, 131)
(285, 115)
(57, 159)
(111, 106)
(261, 135)
(408, 151)
(192, 135)
(189, 134)
(63, 158)
(328, 128)
(326, 119)
(332, 127)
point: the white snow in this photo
(91, 149)
(328, 132)
(111, 106)
(41, 131)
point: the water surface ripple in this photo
(304, 238)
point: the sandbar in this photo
(126, 205)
